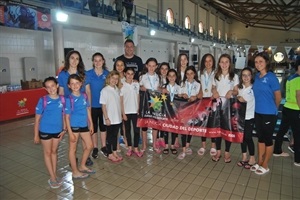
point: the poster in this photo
(206, 117)
(17, 15)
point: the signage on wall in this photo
(18, 15)
(129, 32)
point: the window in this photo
(211, 31)
(187, 22)
(170, 16)
(200, 27)
(219, 34)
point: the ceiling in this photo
(274, 14)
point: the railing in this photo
(140, 16)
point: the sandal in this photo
(213, 152)
(166, 151)
(227, 160)
(181, 156)
(215, 159)
(254, 167)
(242, 163)
(138, 153)
(129, 153)
(248, 166)
(88, 171)
(261, 170)
(201, 151)
(157, 150)
(174, 151)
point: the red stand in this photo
(18, 104)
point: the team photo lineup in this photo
(174, 106)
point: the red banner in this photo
(207, 117)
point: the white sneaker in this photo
(283, 154)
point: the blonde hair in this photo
(112, 73)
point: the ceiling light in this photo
(152, 32)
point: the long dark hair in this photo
(80, 66)
(240, 85)
(167, 80)
(159, 73)
(266, 57)
(115, 64)
(99, 54)
(219, 69)
(178, 65)
(202, 65)
(195, 72)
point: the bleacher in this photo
(140, 16)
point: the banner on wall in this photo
(273, 49)
(260, 48)
(129, 32)
(18, 15)
(247, 47)
(287, 50)
(207, 118)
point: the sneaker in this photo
(95, 153)
(89, 162)
(53, 184)
(297, 164)
(291, 148)
(283, 154)
(104, 152)
(188, 151)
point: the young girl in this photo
(207, 71)
(49, 127)
(171, 88)
(190, 89)
(267, 96)
(245, 94)
(96, 77)
(182, 63)
(223, 83)
(150, 81)
(79, 123)
(74, 65)
(130, 106)
(111, 106)
(120, 66)
(162, 71)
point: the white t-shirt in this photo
(130, 94)
(191, 89)
(224, 84)
(150, 82)
(111, 98)
(248, 95)
(207, 81)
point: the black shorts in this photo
(97, 118)
(48, 136)
(80, 129)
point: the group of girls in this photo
(81, 101)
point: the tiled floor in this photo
(24, 176)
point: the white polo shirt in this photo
(150, 82)
(191, 89)
(130, 94)
(224, 84)
(207, 81)
(110, 97)
(248, 94)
